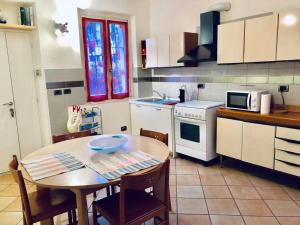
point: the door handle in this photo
(12, 112)
(8, 104)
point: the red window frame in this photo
(120, 95)
(90, 98)
(107, 50)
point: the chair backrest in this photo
(154, 134)
(158, 178)
(18, 177)
(64, 137)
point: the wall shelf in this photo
(17, 27)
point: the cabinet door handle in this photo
(139, 106)
(290, 141)
(158, 109)
(288, 163)
(291, 153)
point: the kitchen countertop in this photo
(138, 102)
(291, 118)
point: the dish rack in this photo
(91, 119)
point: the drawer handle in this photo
(291, 153)
(290, 141)
(139, 106)
(288, 163)
(158, 109)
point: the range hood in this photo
(207, 50)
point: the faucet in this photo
(163, 96)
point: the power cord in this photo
(282, 97)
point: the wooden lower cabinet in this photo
(258, 144)
(229, 137)
(249, 142)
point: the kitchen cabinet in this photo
(151, 53)
(231, 42)
(229, 137)
(163, 51)
(261, 39)
(258, 144)
(152, 117)
(289, 36)
(181, 44)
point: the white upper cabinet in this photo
(261, 39)
(176, 48)
(151, 53)
(163, 51)
(231, 42)
(289, 36)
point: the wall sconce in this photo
(61, 29)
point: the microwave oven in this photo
(244, 100)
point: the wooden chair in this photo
(64, 137)
(43, 204)
(132, 205)
(156, 135)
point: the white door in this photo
(8, 130)
(176, 48)
(163, 51)
(23, 82)
(151, 53)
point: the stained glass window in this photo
(119, 58)
(95, 58)
(98, 44)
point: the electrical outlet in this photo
(283, 88)
(200, 86)
(123, 128)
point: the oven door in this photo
(190, 133)
(239, 100)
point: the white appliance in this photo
(245, 100)
(195, 129)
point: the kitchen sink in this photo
(159, 101)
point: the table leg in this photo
(83, 217)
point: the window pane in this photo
(94, 43)
(119, 57)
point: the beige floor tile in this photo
(10, 218)
(212, 179)
(208, 170)
(289, 220)
(293, 193)
(5, 201)
(229, 171)
(273, 193)
(6, 179)
(191, 206)
(173, 192)
(184, 219)
(253, 208)
(261, 182)
(189, 192)
(243, 192)
(172, 180)
(283, 208)
(252, 220)
(298, 202)
(11, 191)
(216, 192)
(226, 220)
(172, 218)
(3, 186)
(185, 162)
(186, 170)
(172, 170)
(188, 180)
(15, 206)
(174, 205)
(222, 207)
(237, 179)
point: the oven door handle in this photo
(249, 101)
(184, 119)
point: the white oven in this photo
(195, 123)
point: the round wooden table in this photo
(86, 181)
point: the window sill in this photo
(109, 101)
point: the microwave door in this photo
(237, 100)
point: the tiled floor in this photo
(204, 196)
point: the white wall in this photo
(62, 53)
(169, 16)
